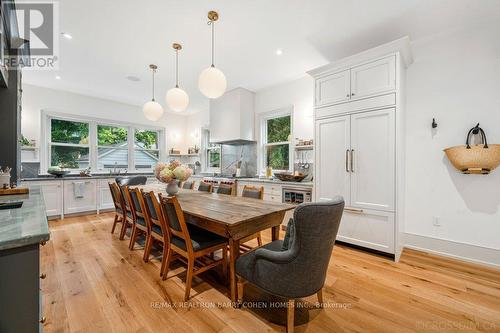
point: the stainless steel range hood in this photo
(232, 118)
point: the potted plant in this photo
(172, 174)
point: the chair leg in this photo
(259, 239)
(147, 248)
(133, 236)
(168, 258)
(124, 229)
(241, 288)
(114, 224)
(189, 278)
(290, 323)
(320, 298)
(164, 257)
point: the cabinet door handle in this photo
(347, 95)
(353, 210)
(352, 160)
(353, 94)
(347, 160)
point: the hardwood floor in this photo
(96, 284)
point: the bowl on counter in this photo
(59, 173)
(290, 177)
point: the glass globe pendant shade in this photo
(152, 110)
(177, 99)
(212, 82)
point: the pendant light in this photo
(153, 110)
(177, 99)
(212, 81)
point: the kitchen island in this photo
(22, 231)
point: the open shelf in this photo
(304, 147)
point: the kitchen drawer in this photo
(272, 197)
(368, 228)
(88, 202)
(365, 104)
(272, 189)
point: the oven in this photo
(296, 196)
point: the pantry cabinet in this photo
(357, 82)
(359, 144)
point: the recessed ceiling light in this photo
(133, 78)
(66, 35)
(279, 52)
(58, 77)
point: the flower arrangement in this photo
(172, 172)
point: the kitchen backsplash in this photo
(30, 169)
(232, 153)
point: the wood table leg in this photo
(275, 233)
(234, 252)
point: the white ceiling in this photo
(113, 39)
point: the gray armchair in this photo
(299, 269)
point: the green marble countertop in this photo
(26, 225)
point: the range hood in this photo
(232, 118)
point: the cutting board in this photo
(12, 191)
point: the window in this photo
(77, 143)
(146, 151)
(69, 144)
(212, 153)
(112, 147)
(276, 139)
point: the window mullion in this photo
(93, 154)
(131, 151)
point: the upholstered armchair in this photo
(296, 267)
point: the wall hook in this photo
(434, 124)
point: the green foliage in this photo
(278, 157)
(69, 132)
(67, 157)
(111, 136)
(278, 129)
(147, 139)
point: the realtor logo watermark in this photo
(34, 43)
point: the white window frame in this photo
(132, 145)
(206, 148)
(45, 137)
(60, 144)
(264, 117)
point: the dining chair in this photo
(190, 242)
(205, 187)
(188, 185)
(158, 228)
(297, 269)
(128, 216)
(140, 224)
(118, 203)
(255, 193)
(225, 189)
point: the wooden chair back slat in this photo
(253, 192)
(205, 187)
(153, 211)
(174, 218)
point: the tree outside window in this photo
(277, 142)
(69, 144)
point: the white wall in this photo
(455, 79)
(36, 99)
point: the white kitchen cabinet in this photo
(52, 195)
(374, 77)
(373, 159)
(333, 88)
(353, 83)
(359, 146)
(104, 198)
(331, 158)
(84, 203)
(368, 228)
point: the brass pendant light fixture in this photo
(212, 82)
(152, 109)
(177, 99)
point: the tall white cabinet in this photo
(359, 143)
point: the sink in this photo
(11, 205)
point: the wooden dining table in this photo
(229, 216)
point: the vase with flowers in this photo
(172, 174)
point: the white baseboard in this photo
(462, 251)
